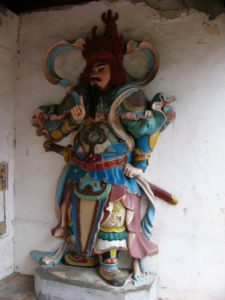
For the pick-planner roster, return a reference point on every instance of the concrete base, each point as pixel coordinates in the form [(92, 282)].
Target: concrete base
[(69, 283)]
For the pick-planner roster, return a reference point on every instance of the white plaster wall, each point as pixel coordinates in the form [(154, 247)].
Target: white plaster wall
[(187, 161), (8, 39)]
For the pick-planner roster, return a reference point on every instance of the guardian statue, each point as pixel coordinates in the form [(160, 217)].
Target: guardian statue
[(115, 126)]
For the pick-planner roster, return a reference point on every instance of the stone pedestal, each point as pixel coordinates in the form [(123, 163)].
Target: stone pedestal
[(70, 283)]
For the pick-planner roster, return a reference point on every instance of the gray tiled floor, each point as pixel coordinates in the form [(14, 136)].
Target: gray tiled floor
[(17, 287)]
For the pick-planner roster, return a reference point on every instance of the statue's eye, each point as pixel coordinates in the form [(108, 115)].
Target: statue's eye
[(101, 69)]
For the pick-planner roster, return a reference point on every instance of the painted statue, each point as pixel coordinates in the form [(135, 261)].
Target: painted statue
[(101, 190)]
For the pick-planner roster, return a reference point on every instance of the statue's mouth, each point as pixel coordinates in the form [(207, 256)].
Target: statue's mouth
[(95, 79)]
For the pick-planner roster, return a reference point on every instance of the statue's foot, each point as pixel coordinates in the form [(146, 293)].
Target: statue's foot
[(59, 232), (111, 274), (140, 272)]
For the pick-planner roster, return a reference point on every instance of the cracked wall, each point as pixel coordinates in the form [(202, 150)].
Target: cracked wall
[(8, 47), (173, 8)]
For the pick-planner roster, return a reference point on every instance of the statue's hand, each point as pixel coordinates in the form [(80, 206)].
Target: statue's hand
[(38, 121), (48, 145), (130, 171), (78, 111)]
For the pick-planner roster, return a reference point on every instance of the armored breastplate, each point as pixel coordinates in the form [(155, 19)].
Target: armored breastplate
[(95, 137)]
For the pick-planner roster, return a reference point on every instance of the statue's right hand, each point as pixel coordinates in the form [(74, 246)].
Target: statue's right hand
[(131, 171), (78, 111), (48, 145)]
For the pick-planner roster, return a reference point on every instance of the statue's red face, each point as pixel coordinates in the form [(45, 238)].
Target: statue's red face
[(100, 75)]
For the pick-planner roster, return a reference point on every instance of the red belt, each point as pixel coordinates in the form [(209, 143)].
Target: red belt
[(101, 165)]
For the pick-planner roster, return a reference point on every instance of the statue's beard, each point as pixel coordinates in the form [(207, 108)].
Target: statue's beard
[(94, 93)]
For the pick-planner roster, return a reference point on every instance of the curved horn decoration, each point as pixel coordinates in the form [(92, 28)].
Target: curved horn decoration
[(50, 57), (152, 59), (132, 46)]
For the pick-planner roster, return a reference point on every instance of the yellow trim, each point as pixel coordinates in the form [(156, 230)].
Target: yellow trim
[(113, 229), (56, 135), (153, 139), (137, 159), (141, 156), (175, 200), (113, 252), (91, 261), (66, 154), (128, 106), (66, 128), (117, 206), (69, 223)]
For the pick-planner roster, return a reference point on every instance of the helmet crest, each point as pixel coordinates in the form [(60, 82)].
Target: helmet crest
[(108, 47)]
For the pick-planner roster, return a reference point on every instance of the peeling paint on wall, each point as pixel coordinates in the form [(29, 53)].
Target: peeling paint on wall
[(212, 29)]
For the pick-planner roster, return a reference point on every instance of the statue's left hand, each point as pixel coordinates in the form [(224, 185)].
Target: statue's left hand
[(130, 171), (48, 145)]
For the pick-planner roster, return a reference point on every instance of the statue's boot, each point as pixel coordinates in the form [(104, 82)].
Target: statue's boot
[(110, 272)]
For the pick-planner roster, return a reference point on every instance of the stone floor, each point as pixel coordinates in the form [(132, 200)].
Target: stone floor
[(17, 287)]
